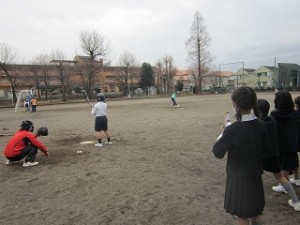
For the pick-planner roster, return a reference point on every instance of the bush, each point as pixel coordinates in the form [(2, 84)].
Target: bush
[(113, 95)]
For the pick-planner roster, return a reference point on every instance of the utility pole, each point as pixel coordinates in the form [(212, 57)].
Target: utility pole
[(243, 74), (276, 75), (128, 82)]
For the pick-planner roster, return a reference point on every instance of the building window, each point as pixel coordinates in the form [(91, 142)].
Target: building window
[(112, 88), (230, 82)]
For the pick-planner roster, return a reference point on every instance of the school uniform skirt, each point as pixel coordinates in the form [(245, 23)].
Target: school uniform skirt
[(288, 160), (100, 123), (244, 197), (271, 164)]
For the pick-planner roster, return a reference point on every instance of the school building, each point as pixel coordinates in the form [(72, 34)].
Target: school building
[(71, 74)]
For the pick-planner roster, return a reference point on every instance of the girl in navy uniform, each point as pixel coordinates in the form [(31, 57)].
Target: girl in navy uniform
[(271, 157), (295, 178), (286, 119), (244, 143)]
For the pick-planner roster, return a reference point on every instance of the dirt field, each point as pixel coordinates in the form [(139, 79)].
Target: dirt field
[(160, 169)]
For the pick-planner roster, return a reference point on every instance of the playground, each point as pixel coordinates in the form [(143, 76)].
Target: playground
[(159, 170)]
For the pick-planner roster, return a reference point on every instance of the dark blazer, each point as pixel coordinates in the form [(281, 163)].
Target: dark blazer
[(245, 144), (286, 129)]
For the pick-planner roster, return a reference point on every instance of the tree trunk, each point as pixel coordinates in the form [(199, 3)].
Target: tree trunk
[(12, 85)]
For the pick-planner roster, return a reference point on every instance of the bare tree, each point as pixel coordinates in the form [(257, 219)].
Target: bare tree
[(94, 45), (169, 72), (165, 71), (58, 58), (43, 60), (8, 56), (197, 46), (120, 79), (127, 62), (35, 70), (158, 70)]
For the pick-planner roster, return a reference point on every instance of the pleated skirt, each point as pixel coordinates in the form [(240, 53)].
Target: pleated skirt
[(244, 197)]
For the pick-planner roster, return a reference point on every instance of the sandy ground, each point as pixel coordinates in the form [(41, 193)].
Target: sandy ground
[(159, 170)]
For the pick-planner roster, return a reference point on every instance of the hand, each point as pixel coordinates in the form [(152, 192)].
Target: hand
[(46, 154)]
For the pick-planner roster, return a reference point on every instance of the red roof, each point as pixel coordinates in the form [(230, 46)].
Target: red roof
[(219, 74)]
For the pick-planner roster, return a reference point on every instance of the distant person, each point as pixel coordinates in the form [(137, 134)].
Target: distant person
[(24, 144), (26, 105), (33, 104), (244, 143), (173, 98), (271, 157), (101, 121)]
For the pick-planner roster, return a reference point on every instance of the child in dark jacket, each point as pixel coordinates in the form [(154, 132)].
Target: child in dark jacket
[(270, 157), (295, 178), (286, 119)]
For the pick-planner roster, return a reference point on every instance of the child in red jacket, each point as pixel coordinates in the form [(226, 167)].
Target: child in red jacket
[(24, 144)]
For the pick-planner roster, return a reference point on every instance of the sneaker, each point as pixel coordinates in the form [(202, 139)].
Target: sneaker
[(9, 162), (98, 145), (296, 205), (28, 164), (108, 143), (279, 188), (293, 181)]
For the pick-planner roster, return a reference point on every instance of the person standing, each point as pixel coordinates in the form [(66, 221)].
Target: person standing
[(101, 121), (33, 104), (26, 105), (294, 179), (271, 157), (24, 144), (244, 143), (286, 119), (173, 98)]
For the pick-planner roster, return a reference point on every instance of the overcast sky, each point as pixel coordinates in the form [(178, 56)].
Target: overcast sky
[(253, 32)]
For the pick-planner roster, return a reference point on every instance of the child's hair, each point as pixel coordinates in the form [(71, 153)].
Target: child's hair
[(263, 106), (283, 101), (297, 102), (245, 99)]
